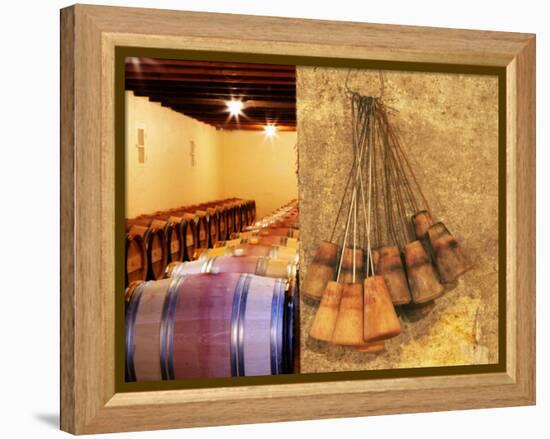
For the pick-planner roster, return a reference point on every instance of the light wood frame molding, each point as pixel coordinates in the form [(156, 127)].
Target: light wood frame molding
[(89, 35)]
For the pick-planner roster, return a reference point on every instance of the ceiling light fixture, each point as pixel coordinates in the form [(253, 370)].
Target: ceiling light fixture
[(234, 107), (270, 130)]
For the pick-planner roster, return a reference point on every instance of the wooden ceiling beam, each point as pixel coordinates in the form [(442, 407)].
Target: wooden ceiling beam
[(252, 123), (213, 85), (154, 94), (169, 70), (242, 81), (241, 121), (217, 64), (206, 102), (261, 128), (223, 110), (259, 118), (200, 89), (254, 126)]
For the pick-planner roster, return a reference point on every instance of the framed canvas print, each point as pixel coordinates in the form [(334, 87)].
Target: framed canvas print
[(268, 219)]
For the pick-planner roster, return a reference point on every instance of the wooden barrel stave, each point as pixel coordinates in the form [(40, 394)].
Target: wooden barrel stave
[(204, 315), (142, 346), (155, 243), (157, 254), (202, 232), (259, 265), (189, 238), (273, 251), (136, 259), (172, 233), (270, 231)]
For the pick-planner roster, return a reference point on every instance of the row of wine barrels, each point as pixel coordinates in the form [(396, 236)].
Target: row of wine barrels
[(233, 214), (259, 265), (209, 325), (152, 240), (285, 241), (176, 234), (216, 220), (246, 249), (286, 216), (288, 220), (269, 231), (137, 263)]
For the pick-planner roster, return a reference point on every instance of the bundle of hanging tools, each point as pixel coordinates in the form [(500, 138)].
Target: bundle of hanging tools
[(388, 252)]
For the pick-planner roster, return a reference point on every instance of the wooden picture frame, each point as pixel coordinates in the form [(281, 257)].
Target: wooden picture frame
[(90, 402)]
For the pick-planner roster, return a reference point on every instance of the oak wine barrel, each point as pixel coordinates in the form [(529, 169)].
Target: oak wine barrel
[(244, 213), (155, 243), (172, 233), (189, 237), (202, 229), (213, 226), (230, 209), (273, 251), (269, 231), (261, 240), (222, 223), (136, 258), (253, 212), (238, 225), (209, 325), (258, 265)]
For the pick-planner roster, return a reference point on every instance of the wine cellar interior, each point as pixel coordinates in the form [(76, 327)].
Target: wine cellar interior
[(212, 227), (291, 219)]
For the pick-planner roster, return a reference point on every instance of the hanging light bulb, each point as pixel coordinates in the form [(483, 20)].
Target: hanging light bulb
[(234, 107), (270, 130)]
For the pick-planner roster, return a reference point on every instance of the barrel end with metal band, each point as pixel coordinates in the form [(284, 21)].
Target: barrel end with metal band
[(167, 329), (237, 326), (172, 219), (278, 307), (157, 224), (261, 265), (292, 337), (292, 268), (208, 266), (132, 297), (130, 290), (281, 252), (190, 217), (157, 253), (170, 269), (136, 259)]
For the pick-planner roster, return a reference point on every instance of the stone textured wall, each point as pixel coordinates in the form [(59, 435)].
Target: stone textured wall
[(449, 127)]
